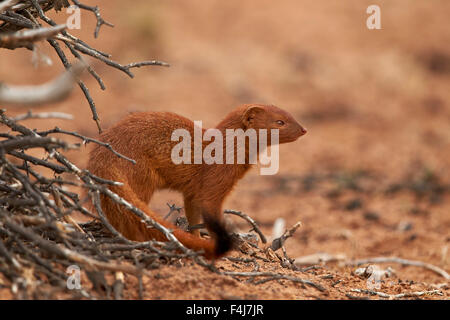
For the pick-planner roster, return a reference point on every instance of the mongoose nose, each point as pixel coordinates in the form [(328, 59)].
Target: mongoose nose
[(303, 131)]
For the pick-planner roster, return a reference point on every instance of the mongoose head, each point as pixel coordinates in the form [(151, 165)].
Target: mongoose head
[(258, 116)]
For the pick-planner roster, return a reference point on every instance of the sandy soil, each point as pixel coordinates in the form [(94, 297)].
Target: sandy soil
[(371, 178)]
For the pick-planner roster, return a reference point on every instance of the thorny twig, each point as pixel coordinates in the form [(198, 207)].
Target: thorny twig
[(172, 209), (96, 12)]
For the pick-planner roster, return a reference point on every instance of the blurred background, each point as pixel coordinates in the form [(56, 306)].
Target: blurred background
[(371, 177)]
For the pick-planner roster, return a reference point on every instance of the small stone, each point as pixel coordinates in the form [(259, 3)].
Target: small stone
[(371, 216), (353, 204)]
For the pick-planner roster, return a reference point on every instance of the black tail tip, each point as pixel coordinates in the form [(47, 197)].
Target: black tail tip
[(223, 239)]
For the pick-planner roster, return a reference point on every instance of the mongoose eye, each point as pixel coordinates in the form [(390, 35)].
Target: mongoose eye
[(280, 122)]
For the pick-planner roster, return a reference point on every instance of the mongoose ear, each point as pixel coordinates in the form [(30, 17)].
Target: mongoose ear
[(250, 114)]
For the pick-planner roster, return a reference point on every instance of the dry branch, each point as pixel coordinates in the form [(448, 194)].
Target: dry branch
[(87, 140), (38, 225), (249, 220), (405, 262), (33, 142), (64, 252), (96, 12), (274, 276), (43, 115), (29, 15), (24, 38), (52, 91), (5, 5), (397, 296), (279, 242)]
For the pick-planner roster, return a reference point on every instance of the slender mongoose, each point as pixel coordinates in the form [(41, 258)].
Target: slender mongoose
[(146, 137)]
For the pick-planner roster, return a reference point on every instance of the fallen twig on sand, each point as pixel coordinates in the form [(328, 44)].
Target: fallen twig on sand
[(405, 262), (317, 258), (274, 276), (398, 296)]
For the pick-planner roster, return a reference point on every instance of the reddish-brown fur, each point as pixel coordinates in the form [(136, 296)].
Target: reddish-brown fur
[(146, 138)]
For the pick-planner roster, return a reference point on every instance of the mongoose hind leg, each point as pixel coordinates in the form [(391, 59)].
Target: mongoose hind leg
[(193, 215)]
